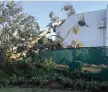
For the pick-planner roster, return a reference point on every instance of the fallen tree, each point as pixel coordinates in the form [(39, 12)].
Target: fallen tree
[(30, 43)]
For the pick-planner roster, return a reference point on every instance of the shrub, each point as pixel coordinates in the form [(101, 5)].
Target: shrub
[(103, 74), (48, 64), (77, 65)]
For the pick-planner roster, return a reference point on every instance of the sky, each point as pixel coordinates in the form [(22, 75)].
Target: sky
[(41, 9)]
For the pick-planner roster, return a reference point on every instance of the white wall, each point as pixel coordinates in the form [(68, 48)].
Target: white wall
[(106, 36), (90, 36)]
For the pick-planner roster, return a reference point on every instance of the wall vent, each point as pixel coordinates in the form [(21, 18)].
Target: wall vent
[(102, 24)]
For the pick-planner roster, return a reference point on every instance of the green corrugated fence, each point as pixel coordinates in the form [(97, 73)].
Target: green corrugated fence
[(90, 55)]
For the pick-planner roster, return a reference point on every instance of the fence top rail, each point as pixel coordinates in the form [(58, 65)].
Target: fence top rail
[(77, 48)]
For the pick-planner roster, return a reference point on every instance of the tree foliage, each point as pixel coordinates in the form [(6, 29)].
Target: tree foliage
[(16, 27)]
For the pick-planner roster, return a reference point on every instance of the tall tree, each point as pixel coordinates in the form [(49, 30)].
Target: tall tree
[(16, 27)]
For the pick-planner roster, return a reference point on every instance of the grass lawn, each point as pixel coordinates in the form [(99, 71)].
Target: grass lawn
[(16, 89)]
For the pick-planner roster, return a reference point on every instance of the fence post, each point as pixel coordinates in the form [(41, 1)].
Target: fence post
[(73, 54)]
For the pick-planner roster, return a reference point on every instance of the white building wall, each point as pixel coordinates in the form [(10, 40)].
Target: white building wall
[(106, 33), (91, 36)]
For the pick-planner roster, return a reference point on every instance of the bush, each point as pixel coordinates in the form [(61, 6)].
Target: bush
[(103, 74), (48, 64), (77, 65)]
